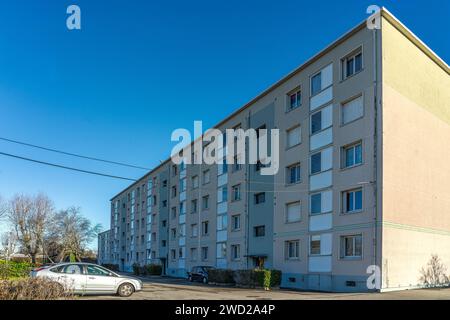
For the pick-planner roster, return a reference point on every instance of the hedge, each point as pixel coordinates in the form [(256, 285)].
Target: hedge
[(11, 269), (264, 278), (223, 276), (33, 289), (149, 269)]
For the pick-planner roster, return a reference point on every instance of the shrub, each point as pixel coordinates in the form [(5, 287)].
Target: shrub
[(11, 269), (32, 289), (245, 278), (112, 267), (221, 276), (258, 277), (153, 269), (275, 278), (434, 275), (136, 269)]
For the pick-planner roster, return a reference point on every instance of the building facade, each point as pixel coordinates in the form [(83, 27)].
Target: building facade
[(363, 176)]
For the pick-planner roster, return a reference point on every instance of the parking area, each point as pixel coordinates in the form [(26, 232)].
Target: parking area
[(164, 288)]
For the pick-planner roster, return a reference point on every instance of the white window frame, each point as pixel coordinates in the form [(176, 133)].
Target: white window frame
[(287, 251), (342, 247), (344, 209)]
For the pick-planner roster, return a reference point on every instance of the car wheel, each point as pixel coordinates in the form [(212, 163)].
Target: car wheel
[(125, 289), (205, 280)]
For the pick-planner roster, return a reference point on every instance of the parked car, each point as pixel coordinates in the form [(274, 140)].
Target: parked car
[(199, 273), (88, 278)]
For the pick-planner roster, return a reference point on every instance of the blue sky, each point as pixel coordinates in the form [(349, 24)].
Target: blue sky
[(140, 69)]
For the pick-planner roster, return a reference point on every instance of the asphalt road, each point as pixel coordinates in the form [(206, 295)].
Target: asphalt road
[(162, 288)]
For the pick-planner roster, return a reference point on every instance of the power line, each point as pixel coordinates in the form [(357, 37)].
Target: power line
[(67, 168), (74, 154)]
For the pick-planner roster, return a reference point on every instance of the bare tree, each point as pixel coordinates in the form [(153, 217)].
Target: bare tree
[(3, 208), (29, 216), (435, 273), (8, 242), (74, 232)]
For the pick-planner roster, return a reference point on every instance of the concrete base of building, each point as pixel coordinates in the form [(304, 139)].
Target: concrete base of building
[(324, 282)]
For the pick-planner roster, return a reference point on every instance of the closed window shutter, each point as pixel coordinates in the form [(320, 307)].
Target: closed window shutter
[(352, 110), (293, 212)]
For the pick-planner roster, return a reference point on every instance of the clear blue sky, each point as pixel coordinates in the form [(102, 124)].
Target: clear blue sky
[(140, 69)]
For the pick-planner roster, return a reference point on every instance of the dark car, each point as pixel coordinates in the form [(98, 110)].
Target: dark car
[(199, 273)]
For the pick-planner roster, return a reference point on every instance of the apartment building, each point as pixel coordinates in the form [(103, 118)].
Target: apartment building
[(364, 178)]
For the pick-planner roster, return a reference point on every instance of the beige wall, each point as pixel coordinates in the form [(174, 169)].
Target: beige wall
[(416, 155)]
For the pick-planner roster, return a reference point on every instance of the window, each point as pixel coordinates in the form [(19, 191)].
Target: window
[(182, 207), (193, 254), (352, 155), (194, 230), (182, 230), (236, 165), (224, 191), (96, 271), (174, 170), (163, 243), (316, 163), (205, 228), (314, 247), (352, 110), (222, 222), (235, 252), (236, 222), (293, 173), (260, 197), (295, 100), (221, 250), (316, 203), (293, 212), (292, 249), (352, 64), (195, 182), (224, 167), (293, 137), (237, 192), (259, 231), (206, 176), (164, 184), (182, 184), (205, 202), (174, 212), (164, 223), (316, 84), (351, 246), (194, 206), (174, 191), (181, 252), (316, 122), (204, 253), (173, 233), (352, 201), (173, 254), (164, 203)]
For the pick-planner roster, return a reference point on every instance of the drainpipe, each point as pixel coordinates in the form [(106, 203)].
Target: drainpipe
[(247, 204), (375, 139)]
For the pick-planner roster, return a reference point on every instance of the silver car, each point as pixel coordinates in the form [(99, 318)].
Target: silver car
[(88, 278)]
